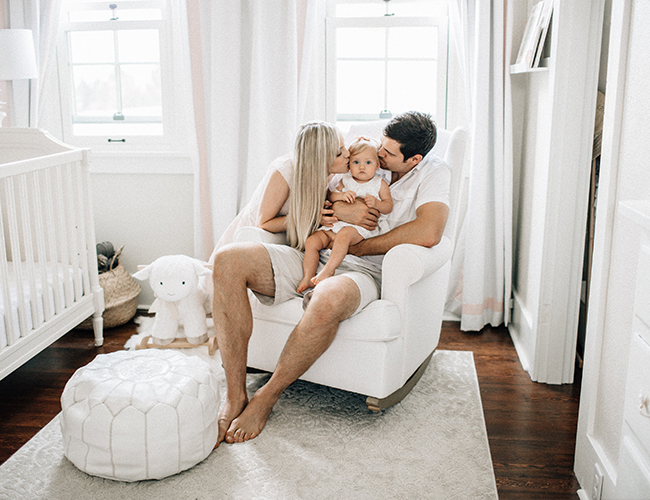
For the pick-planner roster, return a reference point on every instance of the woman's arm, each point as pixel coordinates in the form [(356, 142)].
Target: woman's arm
[(275, 195)]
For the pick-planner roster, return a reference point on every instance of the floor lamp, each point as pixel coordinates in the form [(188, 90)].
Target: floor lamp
[(17, 61)]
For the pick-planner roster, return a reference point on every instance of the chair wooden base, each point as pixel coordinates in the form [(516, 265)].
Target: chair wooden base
[(375, 404), (178, 344)]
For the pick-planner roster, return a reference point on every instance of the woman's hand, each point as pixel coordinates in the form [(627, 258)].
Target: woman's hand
[(327, 217), (357, 213)]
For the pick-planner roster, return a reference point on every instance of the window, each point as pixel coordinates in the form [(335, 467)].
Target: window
[(386, 57), (112, 59)]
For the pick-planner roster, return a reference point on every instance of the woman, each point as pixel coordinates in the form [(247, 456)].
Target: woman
[(319, 151)]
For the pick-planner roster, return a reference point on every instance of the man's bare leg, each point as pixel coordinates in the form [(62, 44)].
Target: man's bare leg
[(236, 268), (333, 301)]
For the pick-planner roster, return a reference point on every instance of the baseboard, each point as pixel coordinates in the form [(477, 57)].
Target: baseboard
[(450, 316), (522, 334)]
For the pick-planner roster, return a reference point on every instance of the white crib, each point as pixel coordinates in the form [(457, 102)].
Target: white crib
[(48, 262)]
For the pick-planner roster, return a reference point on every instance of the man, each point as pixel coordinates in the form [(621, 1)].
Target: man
[(420, 191)]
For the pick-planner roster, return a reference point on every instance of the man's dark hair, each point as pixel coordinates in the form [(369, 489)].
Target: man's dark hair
[(416, 132)]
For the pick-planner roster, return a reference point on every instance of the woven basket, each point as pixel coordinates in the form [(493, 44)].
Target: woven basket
[(120, 298)]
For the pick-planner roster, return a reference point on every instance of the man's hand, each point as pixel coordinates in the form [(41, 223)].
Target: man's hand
[(356, 213)]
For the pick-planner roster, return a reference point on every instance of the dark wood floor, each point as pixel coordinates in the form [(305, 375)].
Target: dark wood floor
[(531, 427)]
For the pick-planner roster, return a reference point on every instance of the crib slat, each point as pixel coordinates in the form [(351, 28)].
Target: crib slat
[(26, 219), (4, 283), (72, 224), (14, 244), (83, 239), (51, 241), (63, 232), (37, 181)]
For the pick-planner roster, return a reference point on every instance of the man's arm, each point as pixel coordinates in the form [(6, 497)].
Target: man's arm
[(426, 230), (356, 213)]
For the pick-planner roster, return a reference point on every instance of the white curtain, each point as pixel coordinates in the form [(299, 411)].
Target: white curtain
[(252, 63), (480, 285), (42, 17)]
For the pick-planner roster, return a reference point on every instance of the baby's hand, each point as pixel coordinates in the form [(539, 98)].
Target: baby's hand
[(370, 200), (350, 196)]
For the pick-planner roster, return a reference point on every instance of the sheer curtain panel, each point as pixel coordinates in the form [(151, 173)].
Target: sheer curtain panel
[(480, 285)]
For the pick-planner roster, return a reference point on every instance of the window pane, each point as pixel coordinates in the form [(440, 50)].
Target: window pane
[(94, 90), (413, 42), (138, 46), (427, 8), (360, 87), (360, 10), (141, 94), (117, 129), (92, 47), (81, 16), (360, 42), (422, 8), (407, 93)]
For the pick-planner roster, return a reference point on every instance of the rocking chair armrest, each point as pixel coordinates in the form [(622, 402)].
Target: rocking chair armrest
[(256, 234), (407, 264)]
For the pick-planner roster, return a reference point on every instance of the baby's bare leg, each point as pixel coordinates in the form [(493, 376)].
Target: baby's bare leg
[(342, 241), (314, 244)]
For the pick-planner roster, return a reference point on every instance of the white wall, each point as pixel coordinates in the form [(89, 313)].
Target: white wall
[(609, 328), (150, 214)]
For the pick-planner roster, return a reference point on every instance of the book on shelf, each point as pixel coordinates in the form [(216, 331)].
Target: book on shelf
[(532, 43), (545, 22)]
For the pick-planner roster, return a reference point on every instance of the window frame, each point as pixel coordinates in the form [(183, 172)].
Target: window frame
[(387, 21), (170, 138)]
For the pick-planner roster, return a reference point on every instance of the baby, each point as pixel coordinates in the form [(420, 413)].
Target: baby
[(359, 182)]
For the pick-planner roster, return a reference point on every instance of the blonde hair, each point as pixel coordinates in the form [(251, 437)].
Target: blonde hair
[(362, 143), (316, 147)]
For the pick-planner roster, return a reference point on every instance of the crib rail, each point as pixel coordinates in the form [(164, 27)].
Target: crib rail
[(48, 264)]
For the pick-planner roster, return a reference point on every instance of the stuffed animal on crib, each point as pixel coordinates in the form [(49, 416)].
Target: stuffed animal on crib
[(179, 298)]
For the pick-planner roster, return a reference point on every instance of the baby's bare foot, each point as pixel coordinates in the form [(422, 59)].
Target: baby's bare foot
[(323, 275), (304, 284)]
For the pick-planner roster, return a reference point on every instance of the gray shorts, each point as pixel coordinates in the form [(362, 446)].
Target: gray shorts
[(287, 272)]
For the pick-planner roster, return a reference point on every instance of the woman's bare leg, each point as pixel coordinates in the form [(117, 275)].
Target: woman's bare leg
[(342, 241), (314, 244)]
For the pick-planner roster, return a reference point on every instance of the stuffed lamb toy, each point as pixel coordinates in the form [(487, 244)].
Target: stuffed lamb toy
[(179, 298)]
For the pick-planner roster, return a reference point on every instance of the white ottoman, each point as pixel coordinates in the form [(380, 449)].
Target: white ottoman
[(135, 415)]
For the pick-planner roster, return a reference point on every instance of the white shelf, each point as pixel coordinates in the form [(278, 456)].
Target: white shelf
[(523, 68)]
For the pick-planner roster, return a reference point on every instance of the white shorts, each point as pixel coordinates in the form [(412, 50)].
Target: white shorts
[(287, 272)]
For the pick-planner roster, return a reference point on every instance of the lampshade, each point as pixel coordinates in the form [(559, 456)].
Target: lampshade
[(17, 60)]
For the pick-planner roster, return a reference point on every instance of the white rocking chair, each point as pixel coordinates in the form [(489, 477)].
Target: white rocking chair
[(382, 351)]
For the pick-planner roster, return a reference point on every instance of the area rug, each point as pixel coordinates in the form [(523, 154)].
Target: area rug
[(319, 443)]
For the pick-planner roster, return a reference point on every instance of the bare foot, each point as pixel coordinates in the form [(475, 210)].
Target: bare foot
[(323, 275), (252, 420), (304, 284), (228, 413)]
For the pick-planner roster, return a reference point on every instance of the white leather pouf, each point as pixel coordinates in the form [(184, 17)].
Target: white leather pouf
[(135, 415)]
